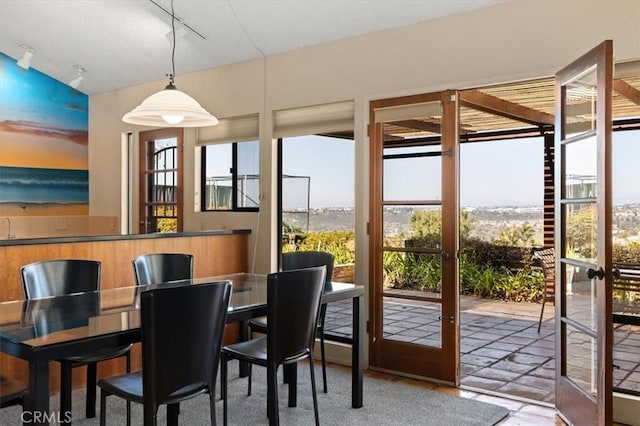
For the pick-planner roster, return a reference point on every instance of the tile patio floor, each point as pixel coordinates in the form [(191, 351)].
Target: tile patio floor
[(501, 349)]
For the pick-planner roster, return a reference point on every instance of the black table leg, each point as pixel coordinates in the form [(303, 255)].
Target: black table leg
[(37, 407), (356, 356)]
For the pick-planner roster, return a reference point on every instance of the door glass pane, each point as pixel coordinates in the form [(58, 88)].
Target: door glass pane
[(581, 234), (413, 178), (581, 360), (580, 296), (581, 169), (412, 226), (162, 185), (407, 273), (411, 321), (580, 104)]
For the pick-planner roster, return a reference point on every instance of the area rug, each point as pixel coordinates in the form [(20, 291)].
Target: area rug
[(385, 403)]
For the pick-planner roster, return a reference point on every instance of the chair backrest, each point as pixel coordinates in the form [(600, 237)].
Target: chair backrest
[(162, 267), (59, 277), (547, 261), (308, 259), (293, 301), (182, 329)]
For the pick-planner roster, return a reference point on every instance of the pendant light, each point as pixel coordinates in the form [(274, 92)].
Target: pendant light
[(170, 107)]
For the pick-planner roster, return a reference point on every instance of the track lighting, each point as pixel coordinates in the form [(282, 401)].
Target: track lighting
[(75, 83), (25, 61)]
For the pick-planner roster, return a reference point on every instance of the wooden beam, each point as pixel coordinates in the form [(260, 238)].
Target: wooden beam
[(628, 91), (418, 125), (492, 105)]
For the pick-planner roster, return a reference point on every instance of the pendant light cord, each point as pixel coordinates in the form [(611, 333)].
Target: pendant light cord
[(173, 49)]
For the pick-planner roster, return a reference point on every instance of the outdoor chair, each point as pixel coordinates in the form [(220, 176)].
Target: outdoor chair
[(293, 307), (62, 277), (300, 260), (182, 330), (546, 259), (157, 268)]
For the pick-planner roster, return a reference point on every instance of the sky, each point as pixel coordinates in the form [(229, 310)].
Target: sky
[(492, 174)]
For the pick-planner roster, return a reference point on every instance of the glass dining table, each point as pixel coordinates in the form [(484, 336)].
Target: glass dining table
[(42, 330)]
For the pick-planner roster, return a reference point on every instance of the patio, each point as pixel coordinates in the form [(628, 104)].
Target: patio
[(501, 349)]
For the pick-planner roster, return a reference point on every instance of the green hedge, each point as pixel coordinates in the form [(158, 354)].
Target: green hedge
[(486, 269)]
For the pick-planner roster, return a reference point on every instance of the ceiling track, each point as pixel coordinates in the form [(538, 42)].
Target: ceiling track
[(168, 12)]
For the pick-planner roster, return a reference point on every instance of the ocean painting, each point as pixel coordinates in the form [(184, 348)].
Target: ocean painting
[(43, 144), (26, 185)]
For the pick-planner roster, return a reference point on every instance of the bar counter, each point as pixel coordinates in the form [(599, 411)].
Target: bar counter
[(216, 252)]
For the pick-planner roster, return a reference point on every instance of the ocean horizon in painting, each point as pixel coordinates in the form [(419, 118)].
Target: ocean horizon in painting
[(25, 185), (44, 135)]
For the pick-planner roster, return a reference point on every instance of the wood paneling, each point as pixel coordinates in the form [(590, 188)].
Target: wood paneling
[(213, 255)]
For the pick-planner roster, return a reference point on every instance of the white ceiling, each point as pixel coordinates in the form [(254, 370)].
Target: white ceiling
[(122, 43)]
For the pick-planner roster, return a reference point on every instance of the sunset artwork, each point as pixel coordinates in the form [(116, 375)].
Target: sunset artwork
[(43, 144)]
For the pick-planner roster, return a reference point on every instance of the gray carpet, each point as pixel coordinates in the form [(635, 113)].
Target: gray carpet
[(385, 403)]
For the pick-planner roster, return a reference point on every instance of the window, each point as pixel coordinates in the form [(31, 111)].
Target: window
[(231, 176)]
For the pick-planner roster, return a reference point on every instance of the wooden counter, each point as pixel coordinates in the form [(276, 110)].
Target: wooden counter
[(215, 253)]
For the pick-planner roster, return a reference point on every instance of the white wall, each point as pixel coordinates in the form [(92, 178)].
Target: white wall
[(511, 41)]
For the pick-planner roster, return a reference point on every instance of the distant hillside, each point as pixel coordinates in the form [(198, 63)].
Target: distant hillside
[(488, 223)]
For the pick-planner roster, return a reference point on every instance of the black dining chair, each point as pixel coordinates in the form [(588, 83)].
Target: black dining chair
[(300, 260), (293, 306), (12, 392), (182, 331), (157, 268), (63, 277)]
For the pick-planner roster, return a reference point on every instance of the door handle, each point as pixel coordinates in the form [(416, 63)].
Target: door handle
[(445, 255), (592, 273)]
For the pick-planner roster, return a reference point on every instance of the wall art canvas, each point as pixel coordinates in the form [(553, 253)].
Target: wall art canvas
[(43, 144)]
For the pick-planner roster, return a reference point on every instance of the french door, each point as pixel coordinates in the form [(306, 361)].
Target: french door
[(160, 177), (584, 331), (414, 212)]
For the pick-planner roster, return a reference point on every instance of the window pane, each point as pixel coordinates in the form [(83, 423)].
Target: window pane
[(580, 105), (218, 184), (248, 174), (581, 360), (219, 175)]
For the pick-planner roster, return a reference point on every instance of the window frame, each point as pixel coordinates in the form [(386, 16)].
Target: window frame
[(234, 179)]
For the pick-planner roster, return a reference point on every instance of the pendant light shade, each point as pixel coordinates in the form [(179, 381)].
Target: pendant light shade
[(170, 107)]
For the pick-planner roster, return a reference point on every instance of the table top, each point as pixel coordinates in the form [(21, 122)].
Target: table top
[(38, 323)]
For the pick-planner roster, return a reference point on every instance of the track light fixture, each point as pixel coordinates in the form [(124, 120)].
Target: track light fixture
[(25, 61), (75, 83), (170, 107)]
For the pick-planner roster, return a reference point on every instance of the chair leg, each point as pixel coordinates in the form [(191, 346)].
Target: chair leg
[(544, 300), (324, 363), (313, 391), (272, 395), (173, 411), (92, 377), (66, 381), (212, 407), (249, 383), (103, 408), (128, 367), (223, 387)]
